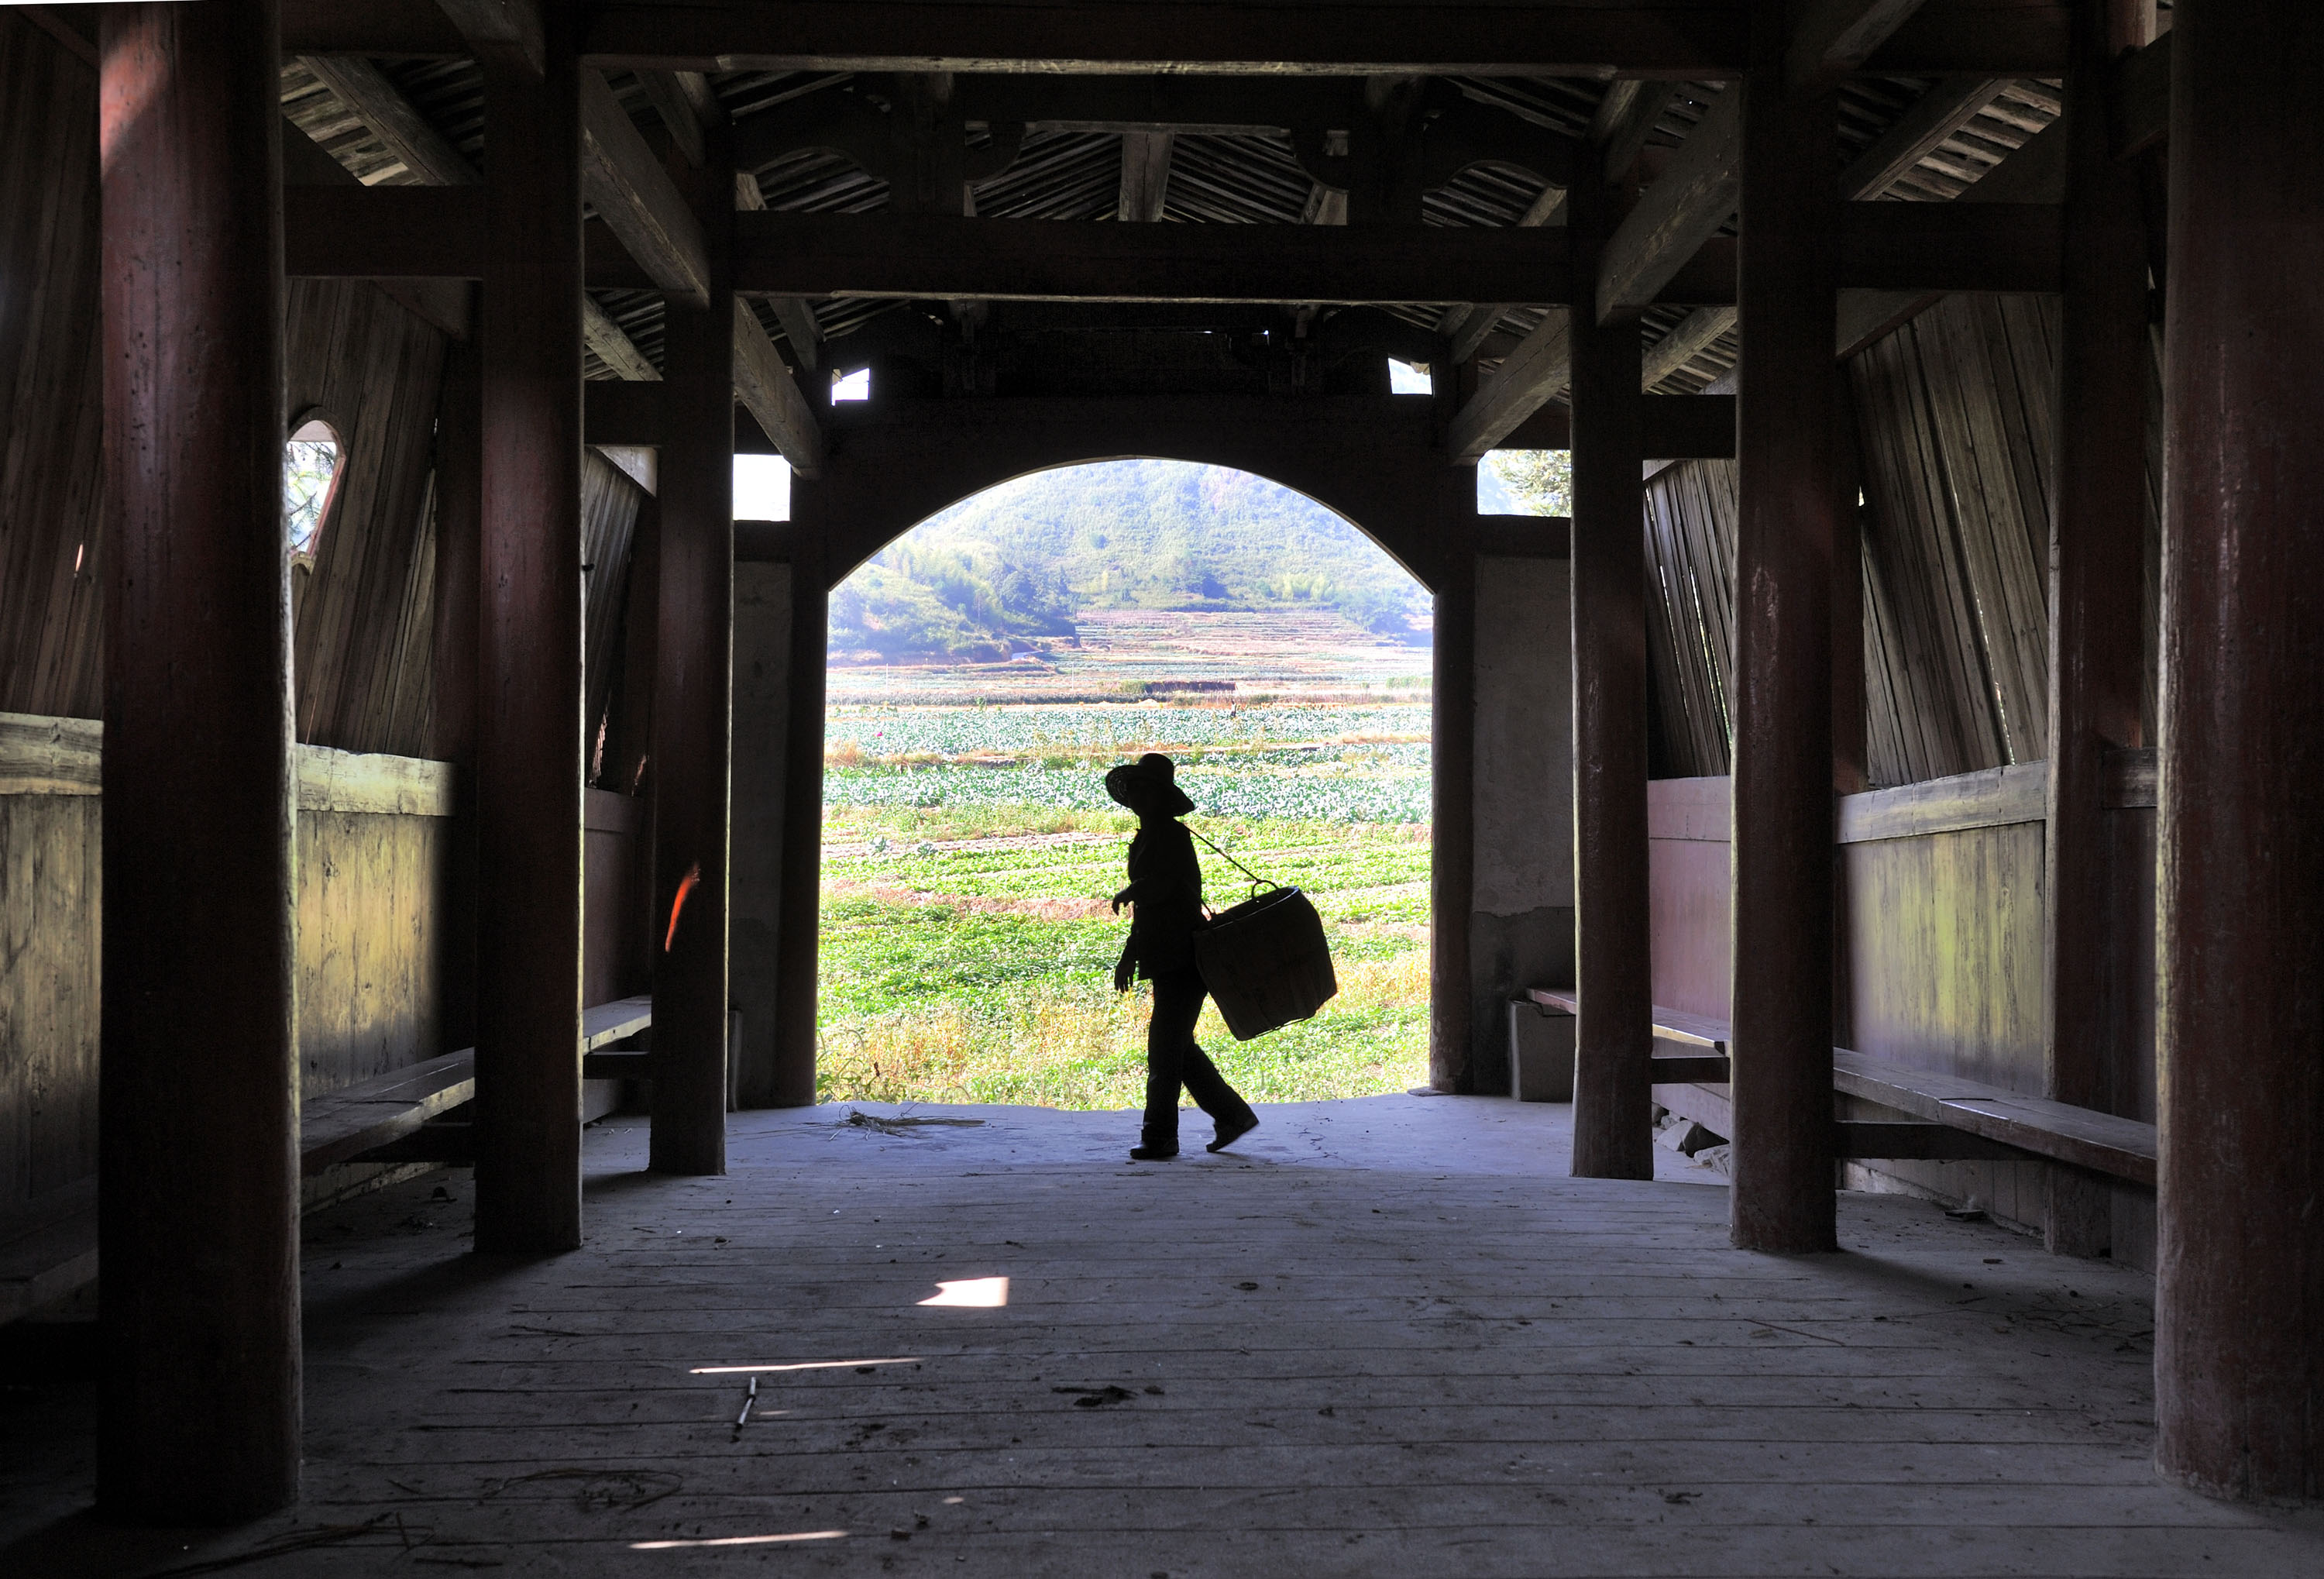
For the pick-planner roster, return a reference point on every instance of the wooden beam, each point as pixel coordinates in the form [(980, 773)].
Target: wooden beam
[(612, 346), (437, 232), (1453, 784), (1695, 196), (1613, 1045), (2016, 247), (1146, 36), (1689, 339), (2139, 108), (529, 747), (1529, 377), (1835, 37), (693, 665), (1478, 321), (2239, 1024), (1626, 138), (685, 104), (768, 391), (793, 312), (1669, 41), (509, 29), (380, 105), (458, 690), (626, 184), (1959, 38), (1949, 104), (942, 256), (1145, 175), (385, 233), (789, 1082), (198, 1081), (2097, 597), (1783, 1196), (443, 302)]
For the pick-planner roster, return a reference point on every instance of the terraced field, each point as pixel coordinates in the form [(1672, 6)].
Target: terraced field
[(970, 849)]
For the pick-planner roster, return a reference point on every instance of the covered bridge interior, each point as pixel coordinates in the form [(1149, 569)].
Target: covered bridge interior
[(1898, 767)]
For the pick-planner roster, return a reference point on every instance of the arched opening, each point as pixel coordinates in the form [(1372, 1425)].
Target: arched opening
[(312, 465), (986, 667)]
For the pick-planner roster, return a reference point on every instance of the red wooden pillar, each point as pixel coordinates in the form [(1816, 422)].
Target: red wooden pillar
[(1782, 1198), (1453, 774), (199, 1168), (2097, 589), (693, 691), (528, 732), (791, 1081), (1613, 1094), (2239, 1309)]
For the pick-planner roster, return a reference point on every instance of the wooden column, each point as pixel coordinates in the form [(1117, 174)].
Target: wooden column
[(1613, 1095), (1452, 758), (693, 691), (1782, 1198), (2239, 1308), (529, 733), (2096, 590), (459, 543), (199, 1168), (791, 1081)]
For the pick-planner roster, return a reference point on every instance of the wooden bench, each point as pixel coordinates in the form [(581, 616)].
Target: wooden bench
[(49, 1250), (1951, 1119)]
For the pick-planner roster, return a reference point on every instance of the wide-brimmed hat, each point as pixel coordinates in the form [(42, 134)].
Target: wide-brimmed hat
[(1152, 779)]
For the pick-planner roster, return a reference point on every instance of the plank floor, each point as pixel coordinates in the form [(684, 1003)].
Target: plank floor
[(1381, 1337)]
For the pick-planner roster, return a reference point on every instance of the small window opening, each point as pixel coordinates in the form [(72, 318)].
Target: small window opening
[(310, 482), (1409, 378), (762, 488), (851, 386)]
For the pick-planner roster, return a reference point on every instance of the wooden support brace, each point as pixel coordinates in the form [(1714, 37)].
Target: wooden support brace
[(766, 389), (626, 184)]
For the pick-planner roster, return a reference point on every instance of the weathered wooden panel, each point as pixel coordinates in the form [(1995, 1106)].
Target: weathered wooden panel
[(1944, 941), (1689, 522), (1689, 822), (616, 863), (49, 889), (51, 425), (1954, 414), (610, 502), (370, 893), (374, 848)]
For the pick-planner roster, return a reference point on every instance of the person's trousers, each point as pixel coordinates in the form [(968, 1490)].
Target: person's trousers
[(1173, 1060)]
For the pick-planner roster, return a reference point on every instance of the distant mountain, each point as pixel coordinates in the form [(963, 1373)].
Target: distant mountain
[(1018, 562)]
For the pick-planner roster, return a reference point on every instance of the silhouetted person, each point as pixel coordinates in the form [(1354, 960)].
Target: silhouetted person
[(1165, 899)]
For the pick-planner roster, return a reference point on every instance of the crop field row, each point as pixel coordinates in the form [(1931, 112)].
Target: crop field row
[(1118, 730), (1279, 653)]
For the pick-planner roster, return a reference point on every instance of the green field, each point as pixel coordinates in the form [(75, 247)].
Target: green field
[(967, 946)]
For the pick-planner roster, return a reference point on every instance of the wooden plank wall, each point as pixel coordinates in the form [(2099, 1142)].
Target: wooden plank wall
[(1691, 618), (52, 426), (1954, 414), (374, 848), (616, 875), (1943, 924), (1690, 828), (365, 612)]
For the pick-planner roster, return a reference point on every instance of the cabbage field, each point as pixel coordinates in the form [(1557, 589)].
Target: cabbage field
[(967, 946)]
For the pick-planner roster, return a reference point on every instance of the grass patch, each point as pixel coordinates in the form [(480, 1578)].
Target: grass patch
[(984, 975)]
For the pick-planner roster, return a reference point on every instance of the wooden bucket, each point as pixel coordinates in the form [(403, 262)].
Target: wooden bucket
[(1266, 963)]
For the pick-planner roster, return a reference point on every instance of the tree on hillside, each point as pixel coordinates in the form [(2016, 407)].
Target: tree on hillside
[(1542, 480)]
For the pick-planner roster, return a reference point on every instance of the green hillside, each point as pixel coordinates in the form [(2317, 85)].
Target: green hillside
[(1015, 564)]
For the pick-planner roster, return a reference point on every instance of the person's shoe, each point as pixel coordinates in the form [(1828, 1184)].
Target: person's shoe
[(1230, 1134), (1152, 1153)]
